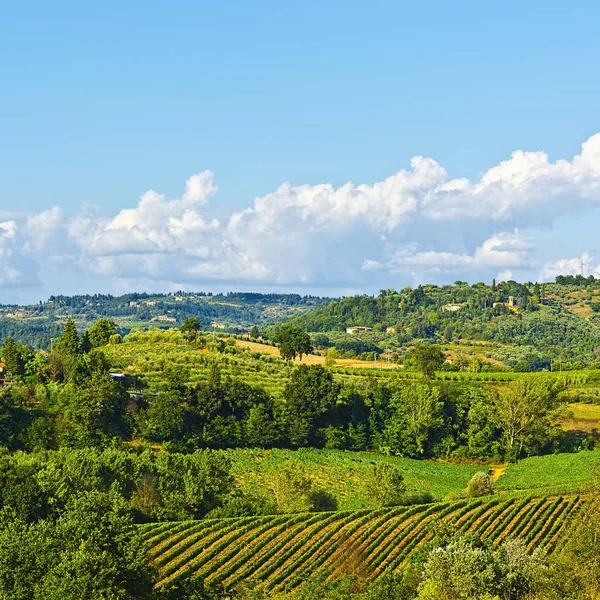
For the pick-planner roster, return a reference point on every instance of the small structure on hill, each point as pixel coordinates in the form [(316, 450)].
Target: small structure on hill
[(452, 307), (510, 304), (358, 329)]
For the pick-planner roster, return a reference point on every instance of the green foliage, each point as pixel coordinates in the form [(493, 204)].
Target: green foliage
[(311, 397), (13, 358), (100, 332), (525, 412), (291, 486), (91, 551), (156, 485), (385, 485), (292, 341), (429, 358), (416, 413), (461, 571), (480, 484)]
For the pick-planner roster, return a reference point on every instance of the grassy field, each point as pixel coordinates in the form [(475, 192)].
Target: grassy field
[(150, 354), (342, 474), (584, 418), (554, 471), (280, 552)]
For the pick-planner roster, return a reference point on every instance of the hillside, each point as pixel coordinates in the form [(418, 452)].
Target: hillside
[(280, 552), (524, 327), (36, 324), (284, 551), (343, 474)]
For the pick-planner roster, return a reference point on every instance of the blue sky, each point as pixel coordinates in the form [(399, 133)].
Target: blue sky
[(102, 102)]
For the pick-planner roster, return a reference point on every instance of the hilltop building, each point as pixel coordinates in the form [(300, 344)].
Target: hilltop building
[(359, 329)]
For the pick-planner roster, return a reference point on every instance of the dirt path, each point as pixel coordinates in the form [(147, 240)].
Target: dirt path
[(496, 472)]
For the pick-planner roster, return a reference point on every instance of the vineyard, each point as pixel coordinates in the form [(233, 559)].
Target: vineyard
[(150, 354), (280, 552)]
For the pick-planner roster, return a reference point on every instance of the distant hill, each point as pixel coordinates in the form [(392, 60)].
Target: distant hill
[(530, 324), (235, 312)]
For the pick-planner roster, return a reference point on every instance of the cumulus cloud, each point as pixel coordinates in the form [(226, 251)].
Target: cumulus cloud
[(418, 222), (570, 266)]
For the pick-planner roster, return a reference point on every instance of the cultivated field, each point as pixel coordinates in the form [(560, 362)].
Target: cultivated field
[(280, 552)]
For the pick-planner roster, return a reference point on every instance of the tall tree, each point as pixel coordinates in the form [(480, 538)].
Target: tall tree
[(190, 328), (418, 411), (68, 343), (99, 333), (429, 358), (13, 358), (525, 412), (311, 397), (292, 341)]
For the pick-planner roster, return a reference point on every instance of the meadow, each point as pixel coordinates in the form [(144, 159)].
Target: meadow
[(575, 472), (343, 473)]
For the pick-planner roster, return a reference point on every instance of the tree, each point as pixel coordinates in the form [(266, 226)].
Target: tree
[(292, 341), (254, 332), (190, 328), (525, 413), (331, 357), (311, 397), (417, 412), (92, 551), (461, 570), (100, 332), (85, 345), (480, 484), (13, 358), (68, 343), (291, 485), (429, 358), (385, 485), (164, 419)]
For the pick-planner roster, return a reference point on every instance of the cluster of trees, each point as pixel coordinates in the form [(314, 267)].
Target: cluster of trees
[(42, 322), (67, 398)]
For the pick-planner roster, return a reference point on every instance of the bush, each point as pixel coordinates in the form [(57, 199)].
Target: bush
[(481, 484), (385, 486)]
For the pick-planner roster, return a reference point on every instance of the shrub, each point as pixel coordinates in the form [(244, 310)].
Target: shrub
[(481, 484)]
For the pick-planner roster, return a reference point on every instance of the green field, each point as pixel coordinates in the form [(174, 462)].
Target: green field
[(282, 552), (555, 471), (149, 354), (342, 473)]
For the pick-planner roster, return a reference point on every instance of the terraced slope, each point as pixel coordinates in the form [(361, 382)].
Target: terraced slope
[(281, 551)]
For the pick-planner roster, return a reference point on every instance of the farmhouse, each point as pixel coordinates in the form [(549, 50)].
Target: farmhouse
[(358, 329), (164, 318), (510, 304), (452, 307)]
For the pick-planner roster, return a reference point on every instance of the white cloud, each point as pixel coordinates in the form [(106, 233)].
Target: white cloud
[(371, 265), (500, 250), (417, 223), (570, 266)]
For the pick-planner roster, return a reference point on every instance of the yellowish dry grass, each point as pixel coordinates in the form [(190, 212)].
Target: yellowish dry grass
[(316, 359), (585, 417)]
